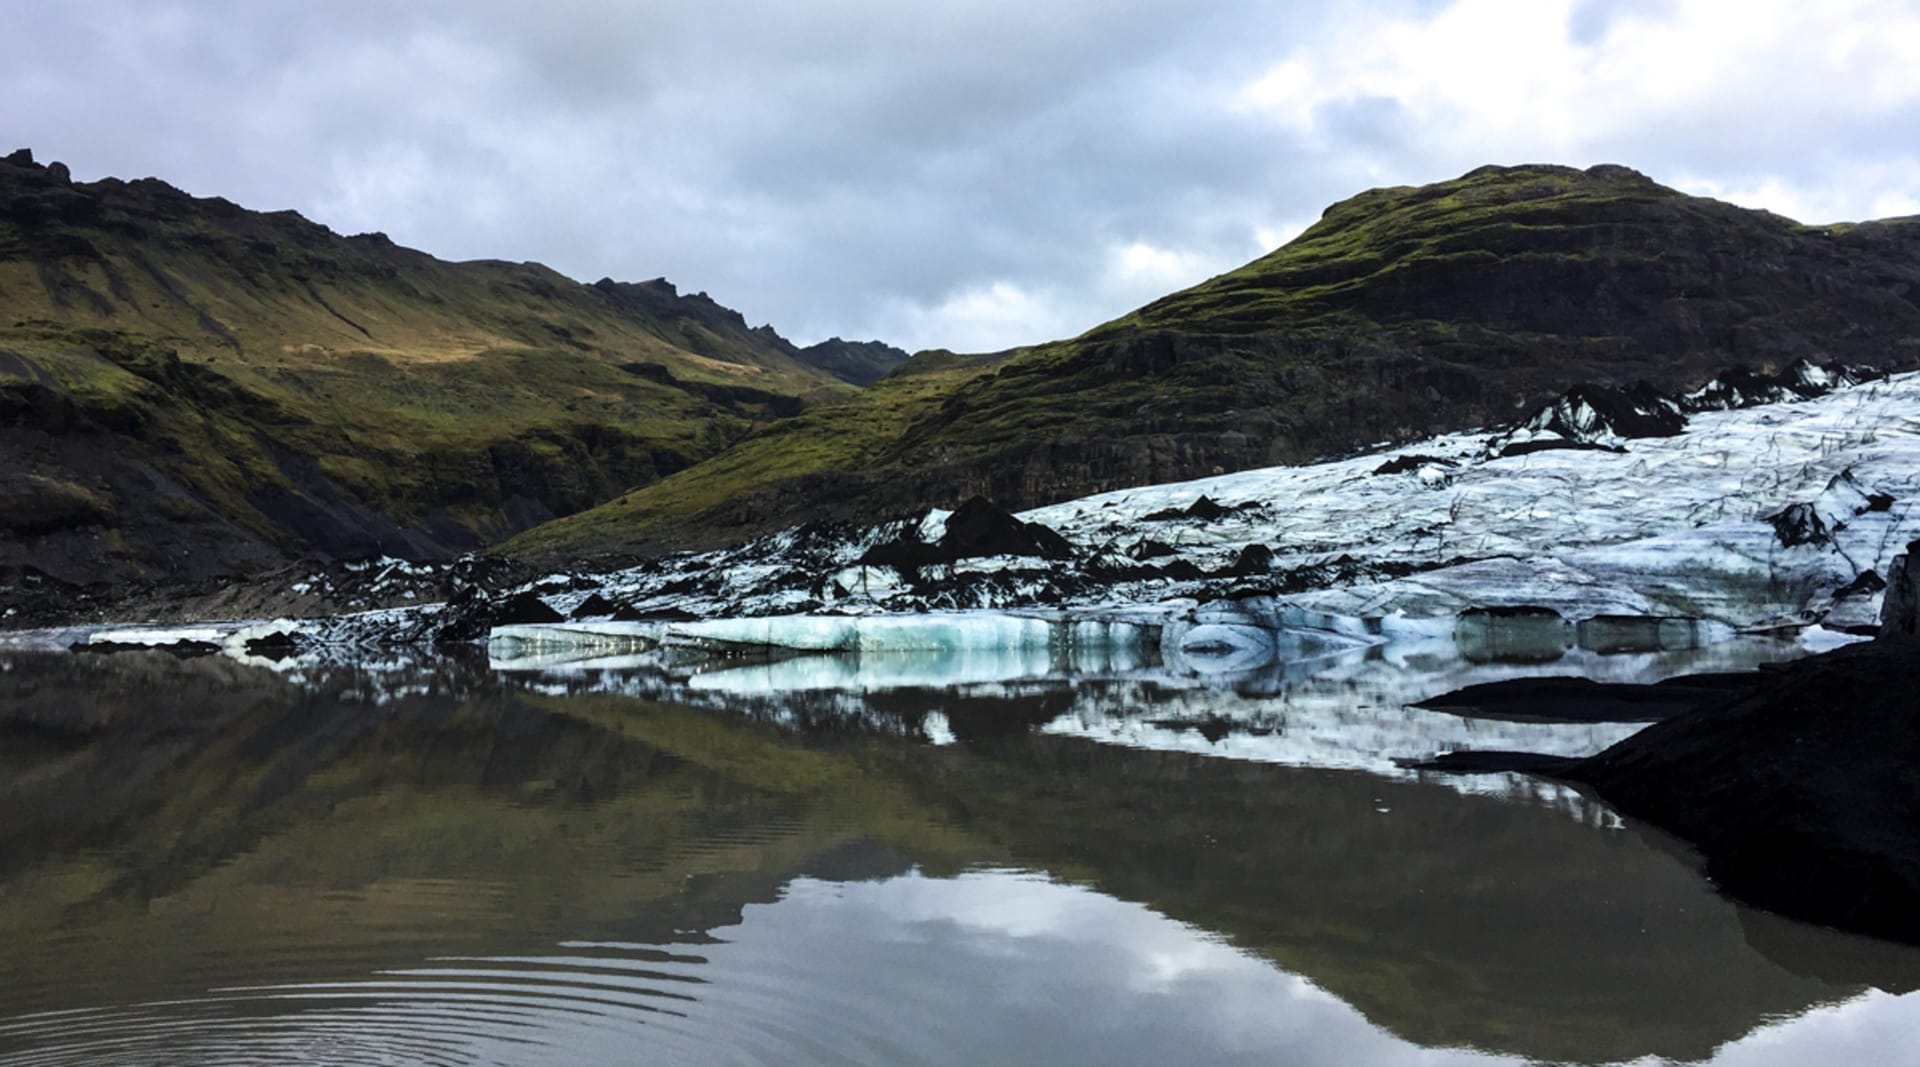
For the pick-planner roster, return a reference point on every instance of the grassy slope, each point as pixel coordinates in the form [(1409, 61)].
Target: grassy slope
[(1401, 312), (852, 436), (226, 348)]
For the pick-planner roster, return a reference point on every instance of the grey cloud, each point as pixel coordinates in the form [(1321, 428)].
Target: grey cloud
[(835, 167)]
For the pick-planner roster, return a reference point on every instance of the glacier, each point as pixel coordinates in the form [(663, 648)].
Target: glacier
[(1289, 614), (1776, 516), (1773, 516)]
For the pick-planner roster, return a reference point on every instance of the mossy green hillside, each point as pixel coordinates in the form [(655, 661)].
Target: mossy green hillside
[(206, 372), (1402, 312), (794, 467)]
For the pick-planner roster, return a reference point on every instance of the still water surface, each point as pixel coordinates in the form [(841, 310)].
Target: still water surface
[(203, 862)]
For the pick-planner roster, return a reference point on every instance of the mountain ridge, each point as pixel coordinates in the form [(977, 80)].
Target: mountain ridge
[(1402, 312), (194, 390)]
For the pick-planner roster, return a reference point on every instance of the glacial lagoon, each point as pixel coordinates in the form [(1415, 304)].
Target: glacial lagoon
[(440, 861)]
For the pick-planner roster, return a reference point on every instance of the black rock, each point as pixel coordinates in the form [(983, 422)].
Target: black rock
[(1551, 444), (1586, 413), (1900, 611), (1254, 560), (1205, 508), (1800, 792), (1182, 570), (525, 609), (978, 528), (595, 605), (1740, 387), (1148, 548), (283, 644), (629, 613), (1866, 583), (1411, 462), (472, 613), (1799, 524), (855, 362), (981, 528)]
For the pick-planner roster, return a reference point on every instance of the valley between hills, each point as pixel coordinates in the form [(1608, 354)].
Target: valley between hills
[(1533, 422)]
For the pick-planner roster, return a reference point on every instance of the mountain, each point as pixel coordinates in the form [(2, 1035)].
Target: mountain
[(191, 390), (1403, 312), (853, 362)]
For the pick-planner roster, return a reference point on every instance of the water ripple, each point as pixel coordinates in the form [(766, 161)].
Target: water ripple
[(456, 1010)]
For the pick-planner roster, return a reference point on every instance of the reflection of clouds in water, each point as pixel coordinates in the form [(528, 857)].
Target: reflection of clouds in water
[(1012, 968), (1000, 967), (1007, 967), (1875, 1028)]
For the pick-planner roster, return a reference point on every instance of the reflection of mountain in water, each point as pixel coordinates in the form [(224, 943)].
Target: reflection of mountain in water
[(184, 827)]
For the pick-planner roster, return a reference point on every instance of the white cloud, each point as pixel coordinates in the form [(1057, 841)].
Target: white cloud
[(1864, 191), (985, 318), (1747, 94)]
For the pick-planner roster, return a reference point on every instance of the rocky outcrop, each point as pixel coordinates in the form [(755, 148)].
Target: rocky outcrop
[(1900, 611)]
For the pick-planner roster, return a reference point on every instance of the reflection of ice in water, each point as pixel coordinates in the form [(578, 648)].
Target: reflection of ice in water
[(1296, 699)]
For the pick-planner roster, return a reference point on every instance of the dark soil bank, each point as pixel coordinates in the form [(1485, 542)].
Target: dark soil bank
[(1803, 794)]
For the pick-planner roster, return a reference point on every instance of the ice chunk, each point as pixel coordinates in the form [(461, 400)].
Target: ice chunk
[(870, 633), (1513, 635), (872, 671), (580, 640)]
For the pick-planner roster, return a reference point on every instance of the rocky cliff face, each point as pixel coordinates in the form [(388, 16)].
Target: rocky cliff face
[(1402, 313)]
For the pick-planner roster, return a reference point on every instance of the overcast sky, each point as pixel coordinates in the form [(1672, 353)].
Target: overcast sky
[(972, 174)]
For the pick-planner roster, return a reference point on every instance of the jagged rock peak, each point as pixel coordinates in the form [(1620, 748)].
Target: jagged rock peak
[(22, 158)]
